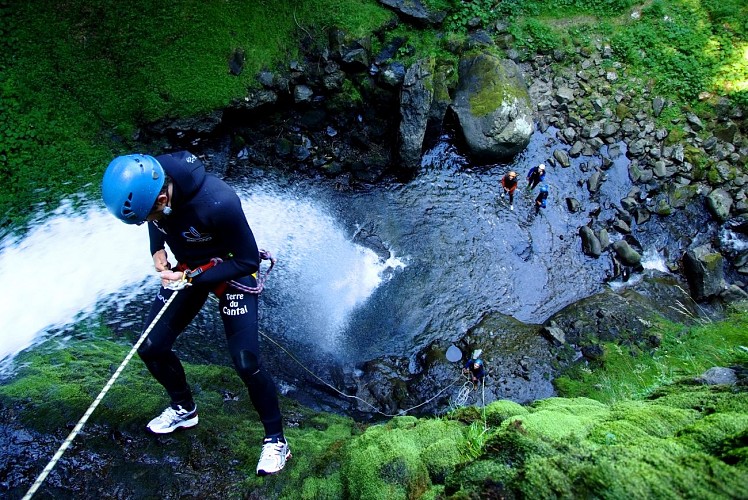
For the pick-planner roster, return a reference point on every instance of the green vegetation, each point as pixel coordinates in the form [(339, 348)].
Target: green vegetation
[(683, 352), (77, 81), (635, 427)]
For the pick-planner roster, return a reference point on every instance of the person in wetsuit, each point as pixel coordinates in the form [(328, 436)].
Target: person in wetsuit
[(201, 219), (508, 186), (541, 198), (535, 176), (476, 369)]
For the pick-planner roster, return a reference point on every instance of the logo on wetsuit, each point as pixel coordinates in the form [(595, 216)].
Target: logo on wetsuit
[(233, 308), (194, 236)]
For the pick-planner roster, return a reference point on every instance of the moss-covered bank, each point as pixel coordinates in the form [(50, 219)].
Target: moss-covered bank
[(683, 439)]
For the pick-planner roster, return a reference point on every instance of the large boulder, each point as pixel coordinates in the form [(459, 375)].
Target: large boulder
[(704, 271), (492, 105), (415, 108)]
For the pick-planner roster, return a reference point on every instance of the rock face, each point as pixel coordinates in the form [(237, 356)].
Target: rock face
[(493, 107), (415, 104), (704, 271)]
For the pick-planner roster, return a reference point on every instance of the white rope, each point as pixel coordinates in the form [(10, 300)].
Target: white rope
[(65, 444), (376, 410)]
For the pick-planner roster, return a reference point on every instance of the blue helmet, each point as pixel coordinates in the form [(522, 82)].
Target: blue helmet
[(478, 362), (131, 185), (544, 188)]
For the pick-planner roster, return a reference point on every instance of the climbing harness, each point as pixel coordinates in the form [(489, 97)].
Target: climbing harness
[(261, 276), (65, 444)]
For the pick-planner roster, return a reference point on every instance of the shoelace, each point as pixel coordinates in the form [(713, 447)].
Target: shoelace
[(271, 450)]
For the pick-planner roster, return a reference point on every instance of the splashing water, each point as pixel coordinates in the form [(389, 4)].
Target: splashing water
[(61, 269), (322, 276), (76, 260)]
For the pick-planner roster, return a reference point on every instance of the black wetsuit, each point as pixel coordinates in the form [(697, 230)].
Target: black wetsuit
[(478, 374), (540, 200), (534, 177), (207, 221)]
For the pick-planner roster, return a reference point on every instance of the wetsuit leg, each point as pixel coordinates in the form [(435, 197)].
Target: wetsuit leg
[(156, 351), (239, 314)]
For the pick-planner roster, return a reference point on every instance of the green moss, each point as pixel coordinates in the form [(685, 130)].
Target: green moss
[(498, 411), (395, 460), (712, 432), (493, 86), (653, 419), (471, 480)]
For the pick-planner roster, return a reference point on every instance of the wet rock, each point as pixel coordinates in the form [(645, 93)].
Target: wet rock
[(719, 203), (493, 107), (415, 103), (718, 376), (704, 272), (593, 183), (573, 205), (393, 75), (590, 243), (621, 226), (562, 158), (626, 253), (604, 238), (641, 215), (415, 11)]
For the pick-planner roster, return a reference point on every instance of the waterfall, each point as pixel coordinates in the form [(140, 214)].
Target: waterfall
[(78, 258)]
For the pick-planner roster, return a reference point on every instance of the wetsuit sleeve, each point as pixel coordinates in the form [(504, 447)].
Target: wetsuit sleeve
[(157, 238), (231, 227)]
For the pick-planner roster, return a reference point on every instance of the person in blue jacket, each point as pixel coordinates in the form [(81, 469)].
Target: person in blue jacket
[(476, 369), (540, 199), (535, 176), (201, 220)]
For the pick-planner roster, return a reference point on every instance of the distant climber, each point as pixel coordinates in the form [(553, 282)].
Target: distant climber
[(475, 367), (509, 185), (535, 176), (540, 200)]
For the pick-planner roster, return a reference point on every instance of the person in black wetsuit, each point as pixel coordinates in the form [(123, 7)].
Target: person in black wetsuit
[(541, 199), (535, 176), (476, 370), (201, 219)]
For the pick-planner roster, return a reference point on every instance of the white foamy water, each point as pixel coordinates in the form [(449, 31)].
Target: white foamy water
[(652, 259), (322, 275), (62, 269)]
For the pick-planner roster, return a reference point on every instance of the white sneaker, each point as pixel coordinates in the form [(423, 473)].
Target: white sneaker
[(273, 457), (172, 419), (511, 207)]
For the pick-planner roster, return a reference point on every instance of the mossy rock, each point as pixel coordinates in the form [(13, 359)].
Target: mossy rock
[(474, 479), (498, 411), (654, 419), (713, 431), (392, 461)]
